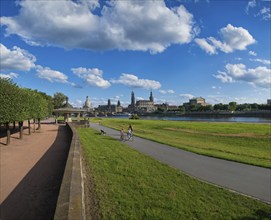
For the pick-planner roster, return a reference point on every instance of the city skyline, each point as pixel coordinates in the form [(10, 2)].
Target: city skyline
[(218, 50)]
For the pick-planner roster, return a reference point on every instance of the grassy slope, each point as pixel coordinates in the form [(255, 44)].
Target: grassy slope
[(242, 142), (131, 185)]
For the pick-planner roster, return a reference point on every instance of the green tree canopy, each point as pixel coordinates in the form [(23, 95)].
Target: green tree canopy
[(58, 100), (232, 106), (9, 101)]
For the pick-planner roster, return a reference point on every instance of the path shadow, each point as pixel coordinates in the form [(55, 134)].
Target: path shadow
[(3, 133), (35, 197), (259, 215)]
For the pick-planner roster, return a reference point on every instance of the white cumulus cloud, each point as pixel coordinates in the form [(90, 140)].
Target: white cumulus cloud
[(252, 53), (265, 13), (250, 4), (124, 25), (93, 77), (77, 103), (258, 77), (9, 75), (51, 75), (232, 38), (211, 49), (186, 96), (263, 61), (223, 77), (16, 59), (170, 91), (134, 82)]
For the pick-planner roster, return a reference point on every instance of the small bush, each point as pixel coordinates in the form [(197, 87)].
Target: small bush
[(134, 116)]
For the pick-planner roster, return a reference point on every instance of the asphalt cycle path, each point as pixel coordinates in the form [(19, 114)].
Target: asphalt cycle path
[(242, 178)]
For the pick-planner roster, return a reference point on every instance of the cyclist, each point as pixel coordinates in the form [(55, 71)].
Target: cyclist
[(130, 132)]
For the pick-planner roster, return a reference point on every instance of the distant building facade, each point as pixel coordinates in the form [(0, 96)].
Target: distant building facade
[(198, 101), (109, 108), (142, 106), (165, 107), (268, 101)]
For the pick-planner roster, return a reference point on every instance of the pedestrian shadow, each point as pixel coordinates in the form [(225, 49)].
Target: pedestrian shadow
[(113, 137), (35, 197)]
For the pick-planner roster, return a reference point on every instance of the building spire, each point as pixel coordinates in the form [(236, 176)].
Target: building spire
[(151, 96), (133, 99)]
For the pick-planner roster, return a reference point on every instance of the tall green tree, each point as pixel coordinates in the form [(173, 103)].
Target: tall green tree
[(38, 106), (22, 109), (58, 100), (31, 107), (41, 108), (9, 103), (49, 100), (18, 104), (232, 106)]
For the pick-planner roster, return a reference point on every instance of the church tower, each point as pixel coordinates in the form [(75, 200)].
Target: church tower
[(87, 104), (151, 97), (133, 99)]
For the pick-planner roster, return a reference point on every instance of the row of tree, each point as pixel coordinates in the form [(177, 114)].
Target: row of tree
[(232, 106), (20, 104)]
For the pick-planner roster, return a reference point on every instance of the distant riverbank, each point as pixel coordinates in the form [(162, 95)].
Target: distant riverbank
[(210, 119), (257, 114), (248, 117)]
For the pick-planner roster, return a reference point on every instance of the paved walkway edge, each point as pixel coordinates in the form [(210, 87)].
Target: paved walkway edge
[(70, 203), (241, 178)]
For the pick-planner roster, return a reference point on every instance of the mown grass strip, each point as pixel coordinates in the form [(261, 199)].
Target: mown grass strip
[(130, 185), (241, 142)]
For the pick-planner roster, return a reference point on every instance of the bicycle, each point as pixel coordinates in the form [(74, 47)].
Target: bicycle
[(130, 136)]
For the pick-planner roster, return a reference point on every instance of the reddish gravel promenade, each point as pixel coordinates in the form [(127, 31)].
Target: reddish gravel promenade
[(31, 172)]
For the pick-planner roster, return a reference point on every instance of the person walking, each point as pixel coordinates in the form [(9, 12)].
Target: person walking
[(122, 134)]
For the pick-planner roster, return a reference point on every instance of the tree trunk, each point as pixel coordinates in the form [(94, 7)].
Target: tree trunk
[(29, 127), (38, 124), (0, 131), (14, 125), (34, 121), (8, 133), (21, 129)]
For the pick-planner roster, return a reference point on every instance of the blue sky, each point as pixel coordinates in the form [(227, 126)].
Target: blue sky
[(219, 50)]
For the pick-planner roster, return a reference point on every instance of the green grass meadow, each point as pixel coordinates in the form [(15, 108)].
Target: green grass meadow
[(241, 142), (130, 185)]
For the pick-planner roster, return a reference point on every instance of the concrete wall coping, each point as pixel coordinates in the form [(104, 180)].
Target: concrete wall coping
[(70, 204)]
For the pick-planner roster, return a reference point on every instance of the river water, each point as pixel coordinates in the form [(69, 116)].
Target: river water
[(206, 119)]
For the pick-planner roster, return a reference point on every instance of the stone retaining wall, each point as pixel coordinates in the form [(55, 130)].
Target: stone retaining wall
[(70, 203)]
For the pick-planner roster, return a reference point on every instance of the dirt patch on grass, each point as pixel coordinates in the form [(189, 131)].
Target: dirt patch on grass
[(91, 198), (219, 134)]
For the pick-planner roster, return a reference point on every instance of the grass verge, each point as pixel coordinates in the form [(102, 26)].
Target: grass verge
[(130, 185), (241, 142)]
